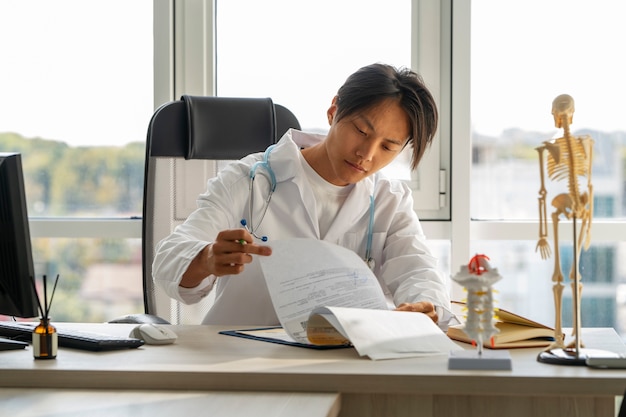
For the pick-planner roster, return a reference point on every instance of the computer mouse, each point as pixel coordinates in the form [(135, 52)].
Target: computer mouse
[(154, 334)]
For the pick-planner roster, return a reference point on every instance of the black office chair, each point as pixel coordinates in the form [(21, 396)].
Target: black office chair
[(187, 142)]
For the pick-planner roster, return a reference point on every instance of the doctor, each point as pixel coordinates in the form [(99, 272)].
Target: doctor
[(322, 187)]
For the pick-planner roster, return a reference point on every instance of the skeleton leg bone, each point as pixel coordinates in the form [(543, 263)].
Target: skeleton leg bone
[(557, 287)]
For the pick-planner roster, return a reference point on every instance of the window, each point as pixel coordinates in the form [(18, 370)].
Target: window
[(280, 48), (559, 55), (267, 49), (510, 60), (83, 156), (77, 96), (523, 55)]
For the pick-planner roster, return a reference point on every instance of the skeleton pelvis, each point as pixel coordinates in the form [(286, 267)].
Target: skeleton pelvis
[(564, 204)]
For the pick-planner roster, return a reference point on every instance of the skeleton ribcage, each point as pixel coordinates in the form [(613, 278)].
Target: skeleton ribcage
[(559, 160)]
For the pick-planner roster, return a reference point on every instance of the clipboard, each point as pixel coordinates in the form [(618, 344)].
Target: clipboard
[(276, 334)]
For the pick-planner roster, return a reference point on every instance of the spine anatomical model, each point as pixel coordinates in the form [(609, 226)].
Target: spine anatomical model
[(478, 277), (569, 159)]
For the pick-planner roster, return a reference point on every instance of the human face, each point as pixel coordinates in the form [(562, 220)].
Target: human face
[(361, 144)]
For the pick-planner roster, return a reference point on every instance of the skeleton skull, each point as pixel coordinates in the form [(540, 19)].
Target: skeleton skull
[(562, 106)]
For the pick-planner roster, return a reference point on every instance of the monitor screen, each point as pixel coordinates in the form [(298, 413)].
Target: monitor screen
[(17, 296)]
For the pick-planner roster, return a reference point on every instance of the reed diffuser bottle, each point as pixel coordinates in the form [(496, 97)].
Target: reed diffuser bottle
[(45, 338)]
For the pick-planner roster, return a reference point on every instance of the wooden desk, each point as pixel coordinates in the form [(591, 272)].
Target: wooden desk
[(204, 360)]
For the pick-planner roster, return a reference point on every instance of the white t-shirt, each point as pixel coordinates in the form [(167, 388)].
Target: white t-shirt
[(328, 197)]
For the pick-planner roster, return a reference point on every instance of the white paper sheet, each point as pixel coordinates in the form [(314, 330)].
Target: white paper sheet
[(384, 334), (302, 274)]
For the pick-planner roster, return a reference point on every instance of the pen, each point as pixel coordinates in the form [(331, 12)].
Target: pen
[(245, 226)]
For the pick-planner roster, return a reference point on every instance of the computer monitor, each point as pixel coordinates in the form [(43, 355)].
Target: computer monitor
[(17, 294)]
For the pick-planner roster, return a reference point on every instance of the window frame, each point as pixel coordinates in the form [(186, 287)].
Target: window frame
[(182, 28), (194, 73)]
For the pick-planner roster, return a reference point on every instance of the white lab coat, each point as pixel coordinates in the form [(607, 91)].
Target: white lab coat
[(404, 265)]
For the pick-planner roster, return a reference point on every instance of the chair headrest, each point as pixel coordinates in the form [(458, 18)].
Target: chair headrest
[(228, 127)]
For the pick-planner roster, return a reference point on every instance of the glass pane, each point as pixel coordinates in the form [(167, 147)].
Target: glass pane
[(299, 53), (525, 54), (99, 279), (76, 82)]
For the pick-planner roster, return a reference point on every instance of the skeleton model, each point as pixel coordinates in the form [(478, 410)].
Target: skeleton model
[(568, 159), (477, 278)]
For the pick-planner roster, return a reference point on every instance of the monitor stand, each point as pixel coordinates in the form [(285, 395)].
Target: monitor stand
[(10, 344)]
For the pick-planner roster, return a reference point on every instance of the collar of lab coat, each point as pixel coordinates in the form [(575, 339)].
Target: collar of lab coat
[(287, 156)]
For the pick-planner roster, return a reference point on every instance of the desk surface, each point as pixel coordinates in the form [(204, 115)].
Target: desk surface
[(203, 360)]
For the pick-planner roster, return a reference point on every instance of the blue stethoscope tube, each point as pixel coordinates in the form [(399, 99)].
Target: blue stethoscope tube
[(265, 163), (370, 233), (271, 177)]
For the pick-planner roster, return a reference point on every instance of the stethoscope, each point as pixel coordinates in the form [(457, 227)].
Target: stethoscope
[(264, 164)]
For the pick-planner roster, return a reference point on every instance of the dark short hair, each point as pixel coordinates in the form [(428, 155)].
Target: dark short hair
[(375, 83)]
